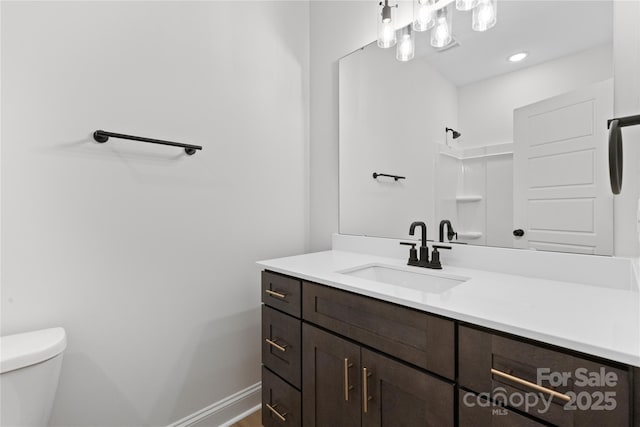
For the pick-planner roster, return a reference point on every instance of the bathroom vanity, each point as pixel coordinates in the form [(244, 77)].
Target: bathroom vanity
[(342, 348)]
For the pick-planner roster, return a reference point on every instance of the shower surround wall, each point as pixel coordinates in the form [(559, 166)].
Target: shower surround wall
[(145, 255)]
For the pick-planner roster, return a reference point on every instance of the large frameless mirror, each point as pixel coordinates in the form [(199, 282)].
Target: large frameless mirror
[(502, 132)]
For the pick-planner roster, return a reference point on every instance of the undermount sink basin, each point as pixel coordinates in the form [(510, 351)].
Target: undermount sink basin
[(407, 277)]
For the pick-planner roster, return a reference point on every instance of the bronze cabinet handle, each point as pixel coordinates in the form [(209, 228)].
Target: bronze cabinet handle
[(275, 294), (276, 413), (273, 343), (365, 390), (347, 387), (531, 385)]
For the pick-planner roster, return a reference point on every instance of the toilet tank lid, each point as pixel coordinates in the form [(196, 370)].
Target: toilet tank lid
[(21, 350)]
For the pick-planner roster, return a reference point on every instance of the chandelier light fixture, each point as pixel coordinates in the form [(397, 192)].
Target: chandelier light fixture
[(434, 15)]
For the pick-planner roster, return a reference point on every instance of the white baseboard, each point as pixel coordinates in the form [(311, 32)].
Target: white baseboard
[(241, 416), (225, 412)]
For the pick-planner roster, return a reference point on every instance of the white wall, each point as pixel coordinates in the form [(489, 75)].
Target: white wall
[(146, 256), (486, 107), (389, 124)]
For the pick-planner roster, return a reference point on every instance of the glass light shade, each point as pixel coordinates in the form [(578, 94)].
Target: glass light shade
[(386, 29), (424, 18), (465, 5), (441, 33), (485, 15), (406, 45)]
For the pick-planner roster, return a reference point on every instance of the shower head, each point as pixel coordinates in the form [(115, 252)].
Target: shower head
[(454, 133)]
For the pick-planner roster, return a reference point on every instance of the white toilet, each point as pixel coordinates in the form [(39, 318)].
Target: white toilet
[(29, 370)]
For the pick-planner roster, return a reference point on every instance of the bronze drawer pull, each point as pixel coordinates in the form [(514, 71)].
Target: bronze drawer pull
[(276, 345), (531, 385), (365, 390), (347, 387), (277, 414), (275, 294)]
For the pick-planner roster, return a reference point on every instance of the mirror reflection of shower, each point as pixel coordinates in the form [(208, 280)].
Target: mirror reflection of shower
[(454, 133)]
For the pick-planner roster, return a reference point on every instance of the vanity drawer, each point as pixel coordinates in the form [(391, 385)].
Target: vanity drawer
[(281, 292), (281, 339), (281, 403), (514, 371), (415, 337), (475, 411)]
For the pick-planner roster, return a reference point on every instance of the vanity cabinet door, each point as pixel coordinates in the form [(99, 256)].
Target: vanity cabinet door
[(396, 395), (555, 386), (331, 380)]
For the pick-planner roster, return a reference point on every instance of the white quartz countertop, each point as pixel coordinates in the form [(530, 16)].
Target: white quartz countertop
[(595, 320)]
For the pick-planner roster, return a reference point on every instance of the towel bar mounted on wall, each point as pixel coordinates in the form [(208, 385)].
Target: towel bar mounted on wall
[(102, 136), (395, 177), (615, 149)]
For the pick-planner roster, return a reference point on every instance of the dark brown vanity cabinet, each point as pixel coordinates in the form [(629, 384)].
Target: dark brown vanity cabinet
[(346, 385), (337, 359)]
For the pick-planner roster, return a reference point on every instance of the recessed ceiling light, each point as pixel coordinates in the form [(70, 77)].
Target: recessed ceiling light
[(517, 57)]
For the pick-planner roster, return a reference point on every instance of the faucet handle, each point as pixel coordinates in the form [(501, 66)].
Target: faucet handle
[(435, 256), (436, 247), (413, 253)]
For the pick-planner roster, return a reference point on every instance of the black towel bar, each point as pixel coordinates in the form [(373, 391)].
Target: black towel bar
[(103, 136), (395, 177)]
